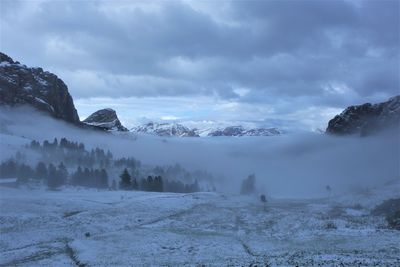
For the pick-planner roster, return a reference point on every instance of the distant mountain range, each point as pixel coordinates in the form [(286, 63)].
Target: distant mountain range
[(176, 129), (20, 85)]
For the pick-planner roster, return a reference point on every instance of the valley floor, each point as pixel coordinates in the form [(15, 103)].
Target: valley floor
[(115, 228)]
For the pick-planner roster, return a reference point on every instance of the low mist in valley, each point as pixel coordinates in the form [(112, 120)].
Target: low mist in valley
[(293, 165)]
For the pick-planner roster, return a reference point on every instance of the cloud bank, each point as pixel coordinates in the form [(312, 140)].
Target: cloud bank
[(281, 58)]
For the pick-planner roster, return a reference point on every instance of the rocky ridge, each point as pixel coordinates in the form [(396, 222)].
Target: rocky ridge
[(20, 85), (367, 118)]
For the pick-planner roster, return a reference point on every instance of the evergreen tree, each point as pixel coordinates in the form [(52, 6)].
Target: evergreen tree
[(57, 176), (134, 183), (125, 182), (25, 172), (62, 173), (8, 169), (41, 171), (103, 178), (77, 177), (150, 183), (52, 181)]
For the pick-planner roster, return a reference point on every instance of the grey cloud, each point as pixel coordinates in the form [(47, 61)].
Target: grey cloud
[(289, 50)]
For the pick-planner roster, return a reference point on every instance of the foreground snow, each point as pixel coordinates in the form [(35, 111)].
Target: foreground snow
[(47, 228)]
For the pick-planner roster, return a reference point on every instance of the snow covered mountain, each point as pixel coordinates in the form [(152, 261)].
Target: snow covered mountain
[(43, 90), (175, 129), (367, 118), (242, 131), (105, 119), (165, 129)]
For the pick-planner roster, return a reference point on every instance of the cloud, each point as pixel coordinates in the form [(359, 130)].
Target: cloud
[(299, 52)]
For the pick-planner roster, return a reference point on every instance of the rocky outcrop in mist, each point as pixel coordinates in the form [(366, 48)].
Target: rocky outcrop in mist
[(367, 118), (105, 119), (43, 90)]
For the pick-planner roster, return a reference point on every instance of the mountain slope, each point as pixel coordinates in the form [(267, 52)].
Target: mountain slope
[(367, 118), (20, 84)]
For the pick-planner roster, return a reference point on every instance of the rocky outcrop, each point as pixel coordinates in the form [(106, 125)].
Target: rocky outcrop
[(20, 84), (165, 129), (366, 119), (241, 131), (105, 119)]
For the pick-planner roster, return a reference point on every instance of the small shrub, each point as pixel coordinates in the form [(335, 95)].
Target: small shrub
[(263, 198), (330, 226), (393, 220)]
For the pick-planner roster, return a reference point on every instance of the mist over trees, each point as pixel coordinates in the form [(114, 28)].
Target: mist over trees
[(64, 162), (248, 185)]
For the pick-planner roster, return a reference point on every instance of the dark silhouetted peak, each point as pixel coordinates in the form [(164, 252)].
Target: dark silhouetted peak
[(20, 85), (366, 118), (6, 59), (105, 119)]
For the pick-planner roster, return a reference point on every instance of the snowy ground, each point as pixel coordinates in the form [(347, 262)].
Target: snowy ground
[(47, 228)]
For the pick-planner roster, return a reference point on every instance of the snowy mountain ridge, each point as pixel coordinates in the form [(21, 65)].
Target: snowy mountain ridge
[(179, 130), (165, 129)]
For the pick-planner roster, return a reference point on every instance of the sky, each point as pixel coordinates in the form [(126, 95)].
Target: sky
[(286, 64)]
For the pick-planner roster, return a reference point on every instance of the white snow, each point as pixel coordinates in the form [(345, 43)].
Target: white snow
[(41, 100), (4, 64), (41, 227), (8, 180)]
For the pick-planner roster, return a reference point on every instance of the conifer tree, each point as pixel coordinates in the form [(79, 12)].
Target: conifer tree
[(41, 170), (125, 182)]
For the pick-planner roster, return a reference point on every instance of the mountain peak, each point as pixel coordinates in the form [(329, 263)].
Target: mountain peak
[(105, 119)]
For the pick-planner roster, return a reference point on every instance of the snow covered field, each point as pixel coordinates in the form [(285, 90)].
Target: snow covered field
[(48, 228)]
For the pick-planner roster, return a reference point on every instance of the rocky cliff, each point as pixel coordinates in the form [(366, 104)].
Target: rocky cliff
[(367, 118), (20, 84)]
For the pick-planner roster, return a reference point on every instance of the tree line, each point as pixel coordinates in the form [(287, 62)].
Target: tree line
[(78, 166)]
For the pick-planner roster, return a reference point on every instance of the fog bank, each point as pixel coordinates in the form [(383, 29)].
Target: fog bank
[(295, 165)]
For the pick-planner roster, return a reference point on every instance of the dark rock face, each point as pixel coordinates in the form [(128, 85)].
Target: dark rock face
[(105, 119), (241, 131), (367, 118), (165, 129), (41, 89)]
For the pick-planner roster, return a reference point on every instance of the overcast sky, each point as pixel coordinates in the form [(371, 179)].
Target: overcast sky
[(274, 63)]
